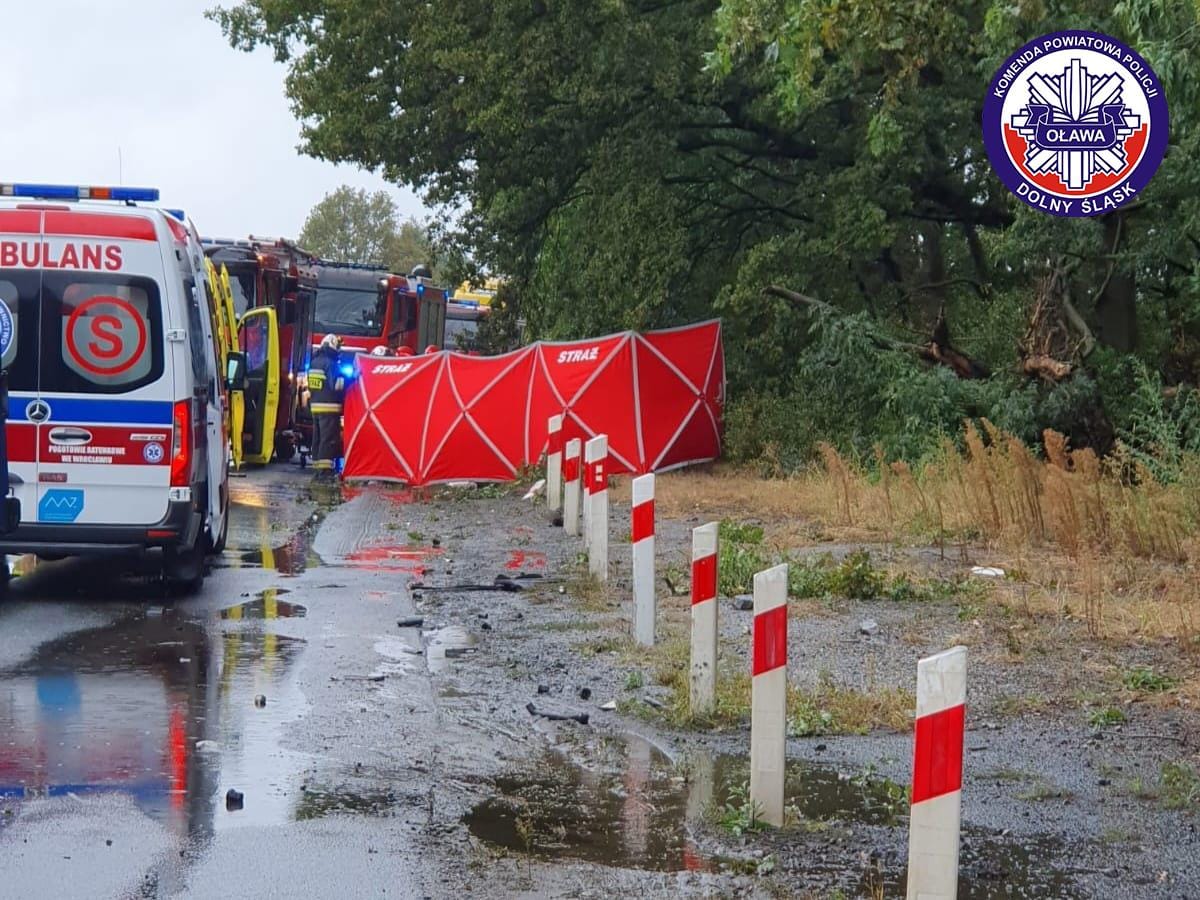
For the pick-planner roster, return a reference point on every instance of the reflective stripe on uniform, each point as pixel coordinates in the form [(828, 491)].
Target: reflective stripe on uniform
[(323, 409), (322, 464), (316, 379)]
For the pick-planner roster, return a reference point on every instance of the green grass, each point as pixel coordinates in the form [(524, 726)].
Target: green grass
[(1042, 791), (1146, 680), (1180, 786), (634, 680), (830, 708), (1106, 717), (740, 815)]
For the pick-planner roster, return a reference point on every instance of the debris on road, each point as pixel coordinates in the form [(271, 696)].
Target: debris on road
[(868, 626), (234, 800), (536, 490), (585, 693), (987, 571), (357, 677), (411, 622), (743, 602), (581, 718), (609, 706), (543, 688), (502, 585), (260, 701)]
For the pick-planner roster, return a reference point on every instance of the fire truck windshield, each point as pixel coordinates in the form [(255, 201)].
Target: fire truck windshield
[(461, 333), (242, 286), (347, 312)]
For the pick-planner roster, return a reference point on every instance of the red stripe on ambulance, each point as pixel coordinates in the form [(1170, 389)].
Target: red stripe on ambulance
[(82, 224), (109, 445), (22, 442), (20, 221)]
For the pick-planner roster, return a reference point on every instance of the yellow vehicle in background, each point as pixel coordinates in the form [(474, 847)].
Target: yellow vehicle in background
[(226, 331), (469, 295)]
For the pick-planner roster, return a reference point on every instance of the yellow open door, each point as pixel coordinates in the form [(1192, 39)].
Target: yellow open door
[(227, 341), (237, 402), (258, 337)]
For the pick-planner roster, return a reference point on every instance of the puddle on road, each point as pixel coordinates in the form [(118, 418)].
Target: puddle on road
[(294, 557), (160, 707), (266, 606), (636, 809), (443, 645)]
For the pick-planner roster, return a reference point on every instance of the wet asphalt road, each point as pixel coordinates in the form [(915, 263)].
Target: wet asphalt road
[(126, 717)]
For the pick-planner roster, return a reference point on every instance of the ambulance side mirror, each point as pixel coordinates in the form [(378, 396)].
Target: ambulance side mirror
[(235, 372)]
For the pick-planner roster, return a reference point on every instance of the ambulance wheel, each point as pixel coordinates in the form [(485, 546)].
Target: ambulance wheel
[(218, 546), (183, 567)]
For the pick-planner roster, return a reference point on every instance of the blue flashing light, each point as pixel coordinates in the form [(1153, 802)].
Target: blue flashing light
[(347, 370), (79, 192)]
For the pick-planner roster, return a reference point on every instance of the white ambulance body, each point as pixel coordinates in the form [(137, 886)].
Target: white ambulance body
[(116, 401)]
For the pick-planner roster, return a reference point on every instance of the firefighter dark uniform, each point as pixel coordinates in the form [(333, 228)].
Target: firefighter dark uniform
[(326, 386)]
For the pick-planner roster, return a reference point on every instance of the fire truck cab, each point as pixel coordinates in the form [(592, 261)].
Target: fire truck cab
[(370, 307)]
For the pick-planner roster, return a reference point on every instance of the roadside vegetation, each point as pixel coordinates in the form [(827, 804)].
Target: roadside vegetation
[(1113, 542)]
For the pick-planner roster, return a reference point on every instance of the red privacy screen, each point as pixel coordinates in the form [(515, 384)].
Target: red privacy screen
[(451, 417)]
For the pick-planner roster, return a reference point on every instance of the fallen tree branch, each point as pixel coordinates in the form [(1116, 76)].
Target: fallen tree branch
[(938, 350)]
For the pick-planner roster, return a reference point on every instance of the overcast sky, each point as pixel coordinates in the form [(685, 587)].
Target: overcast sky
[(208, 125)]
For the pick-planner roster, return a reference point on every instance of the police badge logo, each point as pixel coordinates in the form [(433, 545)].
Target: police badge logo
[(1075, 123)]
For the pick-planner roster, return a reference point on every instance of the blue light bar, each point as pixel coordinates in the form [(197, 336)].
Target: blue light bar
[(79, 192), (177, 213)]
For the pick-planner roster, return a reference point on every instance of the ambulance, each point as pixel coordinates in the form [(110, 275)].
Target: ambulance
[(116, 416)]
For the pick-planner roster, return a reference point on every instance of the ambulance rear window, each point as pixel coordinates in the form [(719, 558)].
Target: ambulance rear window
[(19, 295), (101, 334)]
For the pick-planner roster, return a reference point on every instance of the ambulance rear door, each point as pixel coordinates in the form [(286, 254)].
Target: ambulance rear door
[(105, 405)]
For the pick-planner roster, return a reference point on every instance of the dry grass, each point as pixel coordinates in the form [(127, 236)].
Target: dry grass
[(826, 708), (1098, 541)]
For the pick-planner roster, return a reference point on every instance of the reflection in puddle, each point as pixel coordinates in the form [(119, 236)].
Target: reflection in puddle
[(447, 643), (159, 707), (267, 606), (293, 557), (638, 810)]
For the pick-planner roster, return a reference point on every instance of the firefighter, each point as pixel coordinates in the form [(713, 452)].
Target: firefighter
[(327, 386)]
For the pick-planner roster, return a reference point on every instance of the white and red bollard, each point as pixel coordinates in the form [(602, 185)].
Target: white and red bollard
[(641, 535), (768, 694), (703, 674), (571, 487), (554, 455), (595, 480), (937, 776)]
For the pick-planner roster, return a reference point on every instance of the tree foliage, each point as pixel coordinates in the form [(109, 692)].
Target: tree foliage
[(634, 163), (352, 225)]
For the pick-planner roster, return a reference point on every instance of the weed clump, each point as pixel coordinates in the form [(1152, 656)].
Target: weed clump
[(1145, 680)]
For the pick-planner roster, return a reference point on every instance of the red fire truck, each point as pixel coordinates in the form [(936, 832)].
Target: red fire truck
[(274, 284), (370, 307)]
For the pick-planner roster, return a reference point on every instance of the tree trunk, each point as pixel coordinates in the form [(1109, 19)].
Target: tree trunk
[(1116, 306)]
